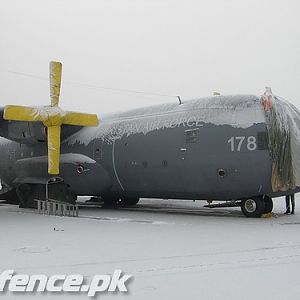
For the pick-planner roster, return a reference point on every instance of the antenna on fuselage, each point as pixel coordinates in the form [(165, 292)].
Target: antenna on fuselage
[(180, 102), (268, 90)]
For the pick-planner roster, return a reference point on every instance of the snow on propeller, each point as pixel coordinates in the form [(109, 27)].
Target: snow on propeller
[(51, 116)]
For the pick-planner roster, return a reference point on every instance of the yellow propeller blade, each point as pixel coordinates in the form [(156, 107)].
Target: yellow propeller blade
[(53, 133), (51, 116), (55, 81), (21, 113), (80, 119)]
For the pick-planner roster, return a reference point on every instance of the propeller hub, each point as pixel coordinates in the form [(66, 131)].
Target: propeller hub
[(52, 115)]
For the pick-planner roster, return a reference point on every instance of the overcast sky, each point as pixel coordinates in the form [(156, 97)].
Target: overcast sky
[(187, 48)]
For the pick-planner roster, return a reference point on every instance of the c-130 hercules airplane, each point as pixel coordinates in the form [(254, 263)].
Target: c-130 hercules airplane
[(242, 148)]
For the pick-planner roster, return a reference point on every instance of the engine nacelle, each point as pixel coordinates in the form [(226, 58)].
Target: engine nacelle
[(30, 132)]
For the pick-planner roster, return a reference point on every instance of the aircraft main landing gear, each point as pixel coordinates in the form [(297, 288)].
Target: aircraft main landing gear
[(129, 201), (28, 193), (254, 207), (25, 193), (110, 201), (116, 201), (10, 197), (268, 204)]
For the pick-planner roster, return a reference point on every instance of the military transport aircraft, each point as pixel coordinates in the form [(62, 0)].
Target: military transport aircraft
[(242, 148)]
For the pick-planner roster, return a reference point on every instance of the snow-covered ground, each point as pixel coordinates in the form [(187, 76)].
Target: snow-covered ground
[(174, 249)]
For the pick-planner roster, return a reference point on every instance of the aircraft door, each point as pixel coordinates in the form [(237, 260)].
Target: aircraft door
[(192, 160)]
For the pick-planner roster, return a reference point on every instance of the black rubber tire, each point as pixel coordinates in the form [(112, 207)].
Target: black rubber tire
[(129, 201), (253, 207), (268, 204), (111, 201), (25, 194)]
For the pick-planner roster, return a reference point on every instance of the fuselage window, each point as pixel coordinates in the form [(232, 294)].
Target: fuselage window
[(191, 136), (98, 153)]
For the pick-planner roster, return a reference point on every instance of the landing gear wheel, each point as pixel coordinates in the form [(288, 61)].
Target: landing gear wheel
[(117, 202), (129, 201), (25, 194), (253, 207), (111, 201), (268, 204)]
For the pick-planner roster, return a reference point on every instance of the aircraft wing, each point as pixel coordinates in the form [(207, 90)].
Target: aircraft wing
[(30, 132)]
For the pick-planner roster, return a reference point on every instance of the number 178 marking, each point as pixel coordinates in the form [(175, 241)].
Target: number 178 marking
[(236, 143)]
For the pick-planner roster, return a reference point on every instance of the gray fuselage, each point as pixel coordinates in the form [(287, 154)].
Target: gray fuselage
[(201, 149)]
